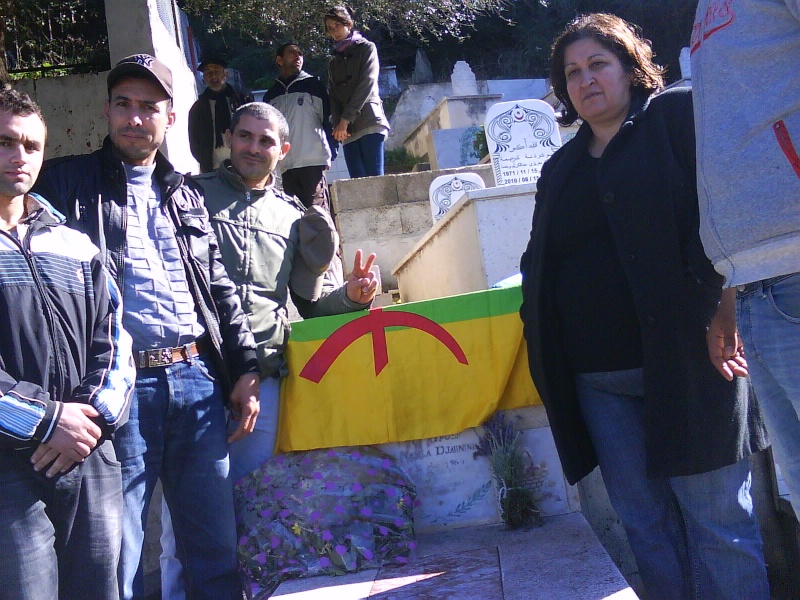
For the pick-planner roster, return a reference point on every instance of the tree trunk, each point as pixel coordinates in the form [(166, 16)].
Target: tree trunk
[(6, 7)]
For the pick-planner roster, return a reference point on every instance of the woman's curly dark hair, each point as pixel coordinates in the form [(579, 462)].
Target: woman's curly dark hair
[(616, 35)]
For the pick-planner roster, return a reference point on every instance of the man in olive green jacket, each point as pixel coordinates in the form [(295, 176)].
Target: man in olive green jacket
[(271, 246)]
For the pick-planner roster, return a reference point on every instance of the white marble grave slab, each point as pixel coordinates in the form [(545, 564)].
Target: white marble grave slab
[(445, 191), (453, 487), (456, 489), (521, 136)]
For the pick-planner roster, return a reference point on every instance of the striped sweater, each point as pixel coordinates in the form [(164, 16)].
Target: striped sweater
[(61, 336)]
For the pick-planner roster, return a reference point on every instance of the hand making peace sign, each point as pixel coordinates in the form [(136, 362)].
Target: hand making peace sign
[(362, 285)]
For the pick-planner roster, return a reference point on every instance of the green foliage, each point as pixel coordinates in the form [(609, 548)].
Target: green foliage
[(400, 159), (499, 39), (267, 20), (479, 143), (52, 38), (500, 443), (517, 42)]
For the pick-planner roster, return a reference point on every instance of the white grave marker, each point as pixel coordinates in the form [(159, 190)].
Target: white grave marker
[(453, 486), (445, 190), (521, 136)]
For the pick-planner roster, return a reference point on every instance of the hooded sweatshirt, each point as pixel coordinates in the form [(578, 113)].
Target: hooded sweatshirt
[(746, 80)]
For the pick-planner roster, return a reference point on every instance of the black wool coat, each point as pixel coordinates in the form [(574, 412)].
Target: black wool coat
[(696, 421)]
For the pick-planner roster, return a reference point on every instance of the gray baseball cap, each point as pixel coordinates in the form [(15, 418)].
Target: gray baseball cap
[(142, 64)]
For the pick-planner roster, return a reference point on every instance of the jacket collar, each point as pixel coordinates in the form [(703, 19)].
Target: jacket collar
[(228, 175), (299, 77), (165, 174), (227, 91), (40, 210), (639, 103)]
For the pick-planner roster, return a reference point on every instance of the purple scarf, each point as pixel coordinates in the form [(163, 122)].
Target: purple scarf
[(347, 42)]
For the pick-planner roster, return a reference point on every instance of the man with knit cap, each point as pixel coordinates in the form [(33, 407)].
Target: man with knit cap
[(210, 115)]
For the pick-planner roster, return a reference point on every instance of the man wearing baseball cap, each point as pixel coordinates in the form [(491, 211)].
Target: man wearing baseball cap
[(191, 340), (210, 115)]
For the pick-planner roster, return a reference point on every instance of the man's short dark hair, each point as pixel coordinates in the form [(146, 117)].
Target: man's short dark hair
[(282, 48), (263, 112), (19, 104)]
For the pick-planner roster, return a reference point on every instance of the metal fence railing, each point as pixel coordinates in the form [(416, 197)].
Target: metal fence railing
[(55, 37)]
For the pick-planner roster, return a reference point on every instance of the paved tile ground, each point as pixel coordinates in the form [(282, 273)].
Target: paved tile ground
[(562, 559)]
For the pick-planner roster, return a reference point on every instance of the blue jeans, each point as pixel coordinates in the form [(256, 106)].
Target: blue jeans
[(693, 536), (60, 537), (251, 452), (768, 315), (364, 157), (177, 432), (246, 455)]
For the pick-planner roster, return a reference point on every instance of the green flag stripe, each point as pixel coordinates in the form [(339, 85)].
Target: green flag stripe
[(464, 307)]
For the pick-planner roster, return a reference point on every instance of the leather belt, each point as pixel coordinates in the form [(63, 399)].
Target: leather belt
[(162, 357)]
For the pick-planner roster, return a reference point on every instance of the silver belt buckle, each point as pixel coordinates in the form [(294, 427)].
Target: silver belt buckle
[(161, 357)]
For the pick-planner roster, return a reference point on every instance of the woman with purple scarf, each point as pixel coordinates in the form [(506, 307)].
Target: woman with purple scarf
[(359, 122)]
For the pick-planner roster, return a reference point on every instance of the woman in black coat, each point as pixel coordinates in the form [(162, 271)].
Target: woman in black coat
[(617, 295)]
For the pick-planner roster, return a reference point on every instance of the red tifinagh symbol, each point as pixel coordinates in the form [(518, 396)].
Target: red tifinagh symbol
[(375, 322)]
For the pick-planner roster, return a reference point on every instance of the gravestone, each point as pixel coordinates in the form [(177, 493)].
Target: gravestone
[(521, 136), (387, 82), (456, 147), (463, 80), (445, 190), (454, 488), (422, 68)]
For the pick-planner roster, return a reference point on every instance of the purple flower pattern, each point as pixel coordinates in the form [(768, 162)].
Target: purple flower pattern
[(319, 512)]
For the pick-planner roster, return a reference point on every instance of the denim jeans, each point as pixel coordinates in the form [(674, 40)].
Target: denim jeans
[(177, 432), (768, 315), (250, 453), (60, 537), (693, 536), (364, 157), (246, 455)]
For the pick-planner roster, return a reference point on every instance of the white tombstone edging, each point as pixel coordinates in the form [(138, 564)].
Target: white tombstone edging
[(445, 191), (521, 136)]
